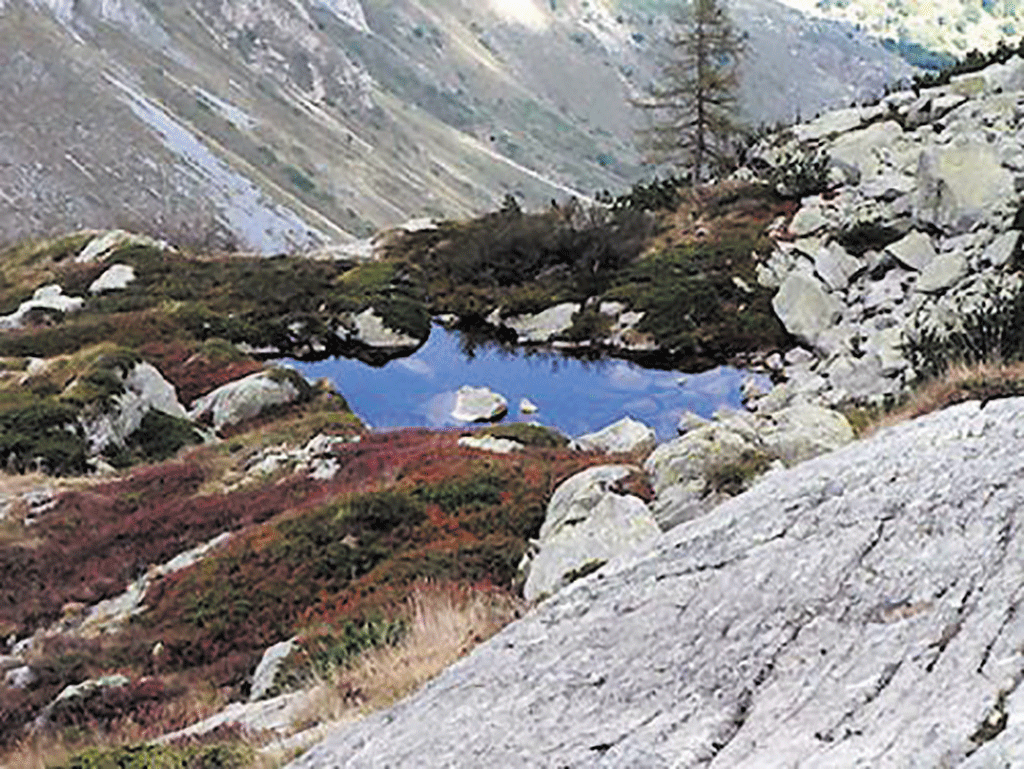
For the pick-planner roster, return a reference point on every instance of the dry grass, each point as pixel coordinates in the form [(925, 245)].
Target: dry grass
[(445, 623), (980, 381)]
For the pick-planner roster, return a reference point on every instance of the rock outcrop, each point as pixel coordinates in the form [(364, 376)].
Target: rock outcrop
[(248, 397), (860, 609), (46, 299)]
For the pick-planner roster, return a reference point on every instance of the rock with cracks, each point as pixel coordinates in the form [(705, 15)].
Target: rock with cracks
[(860, 609)]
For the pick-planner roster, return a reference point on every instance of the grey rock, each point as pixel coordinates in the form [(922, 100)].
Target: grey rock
[(615, 526), (106, 243), (626, 435), (145, 389), (577, 495), (942, 272), (372, 331), (835, 266), (864, 149), (479, 404), (959, 184), (808, 220), (888, 291), (491, 444), (117, 278), (80, 690), (47, 298), (266, 671), (801, 432), (526, 406), (244, 399), (689, 421), (805, 308), (1001, 249), (914, 251), (20, 677), (853, 611), (542, 326), (691, 458), (678, 504)]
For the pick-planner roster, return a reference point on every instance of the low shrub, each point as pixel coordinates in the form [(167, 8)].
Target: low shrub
[(220, 756), (537, 436)]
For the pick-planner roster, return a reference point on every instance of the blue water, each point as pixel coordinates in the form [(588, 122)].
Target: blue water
[(574, 396)]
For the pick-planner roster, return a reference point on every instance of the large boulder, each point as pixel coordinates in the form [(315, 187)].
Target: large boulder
[(104, 244), (959, 184), (479, 404), (801, 432), (805, 308), (249, 397), (626, 435), (117, 277), (689, 460), (588, 522), (861, 609), (263, 678)]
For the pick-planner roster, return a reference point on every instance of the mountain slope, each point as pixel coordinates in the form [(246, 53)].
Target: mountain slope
[(283, 123)]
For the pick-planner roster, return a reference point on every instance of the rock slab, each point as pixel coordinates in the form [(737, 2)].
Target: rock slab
[(860, 609)]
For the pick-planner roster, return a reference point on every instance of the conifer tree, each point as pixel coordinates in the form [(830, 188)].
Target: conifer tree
[(693, 104)]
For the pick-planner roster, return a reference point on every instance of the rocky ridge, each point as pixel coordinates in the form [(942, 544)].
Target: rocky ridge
[(918, 229), (836, 614)]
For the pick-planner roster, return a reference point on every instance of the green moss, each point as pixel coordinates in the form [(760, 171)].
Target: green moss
[(735, 477), (529, 435), (479, 491), (219, 756)]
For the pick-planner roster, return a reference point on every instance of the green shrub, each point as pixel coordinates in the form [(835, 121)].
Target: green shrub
[(45, 431), (161, 435), (220, 756), (480, 490), (800, 173), (529, 435)]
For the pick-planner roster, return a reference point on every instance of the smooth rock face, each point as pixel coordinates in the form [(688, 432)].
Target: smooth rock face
[(625, 435), (479, 404), (805, 309), (915, 250), (959, 183), (243, 399), (942, 272), (857, 610)]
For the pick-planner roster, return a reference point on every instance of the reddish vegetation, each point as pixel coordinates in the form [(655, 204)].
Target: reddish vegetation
[(405, 506)]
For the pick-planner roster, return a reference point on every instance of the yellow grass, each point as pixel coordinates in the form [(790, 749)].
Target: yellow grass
[(979, 381), (445, 624)]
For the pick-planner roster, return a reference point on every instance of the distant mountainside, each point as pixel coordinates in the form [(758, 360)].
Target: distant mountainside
[(285, 123), (922, 27)]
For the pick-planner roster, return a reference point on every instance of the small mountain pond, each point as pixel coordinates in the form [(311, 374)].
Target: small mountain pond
[(575, 396)]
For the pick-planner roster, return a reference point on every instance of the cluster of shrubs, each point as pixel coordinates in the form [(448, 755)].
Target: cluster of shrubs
[(656, 195)]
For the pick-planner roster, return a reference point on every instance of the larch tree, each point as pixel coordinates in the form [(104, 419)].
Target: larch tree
[(693, 104)]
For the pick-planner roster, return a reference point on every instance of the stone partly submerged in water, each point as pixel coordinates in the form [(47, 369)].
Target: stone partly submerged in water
[(859, 609), (479, 404)]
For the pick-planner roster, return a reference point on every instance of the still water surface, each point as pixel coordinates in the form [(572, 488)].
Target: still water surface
[(574, 396)]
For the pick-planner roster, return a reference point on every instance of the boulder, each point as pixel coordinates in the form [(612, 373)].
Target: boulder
[(526, 406), (914, 251), (808, 220), (959, 184), (942, 272), (247, 397), (805, 308), (266, 671), (587, 521), (623, 436), (691, 458), (106, 243), (835, 266), (49, 298), (145, 389), (857, 610), (542, 326), (21, 677), (1001, 250), (864, 149), (798, 433), (490, 443), (116, 278), (371, 330), (79, 691), (479, 404)]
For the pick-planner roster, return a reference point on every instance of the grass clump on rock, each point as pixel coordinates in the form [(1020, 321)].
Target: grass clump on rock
[(528, 434)]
